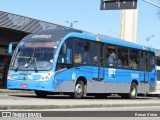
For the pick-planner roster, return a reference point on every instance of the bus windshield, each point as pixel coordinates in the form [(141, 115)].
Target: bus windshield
[(34, 55)]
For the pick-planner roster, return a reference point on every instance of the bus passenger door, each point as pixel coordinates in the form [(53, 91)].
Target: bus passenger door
[(144, 66), (98, 61)]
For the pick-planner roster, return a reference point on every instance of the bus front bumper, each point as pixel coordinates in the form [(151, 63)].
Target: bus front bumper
[(30, 85)]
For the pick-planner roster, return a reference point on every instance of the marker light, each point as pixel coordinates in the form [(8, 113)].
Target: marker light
[(9, 76), (98, 39)]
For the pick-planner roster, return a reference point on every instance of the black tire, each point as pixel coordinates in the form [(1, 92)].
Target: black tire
[(133, 92), (79, 90), (41, 94)]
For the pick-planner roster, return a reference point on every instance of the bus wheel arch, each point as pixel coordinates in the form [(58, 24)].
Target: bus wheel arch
[(80, 88), (135, 81)]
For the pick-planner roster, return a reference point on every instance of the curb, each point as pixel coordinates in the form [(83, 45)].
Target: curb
[(38, 107), (14, 91)]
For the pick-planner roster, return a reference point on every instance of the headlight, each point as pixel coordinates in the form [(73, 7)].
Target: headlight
[(9, 76)]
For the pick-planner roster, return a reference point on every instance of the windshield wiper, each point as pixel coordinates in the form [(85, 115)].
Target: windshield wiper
[(34, 57), (35, 67), (19, 66)]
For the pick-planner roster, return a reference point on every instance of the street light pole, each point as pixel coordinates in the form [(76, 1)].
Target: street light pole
[(152, 3), (71, 23), (148, 39)]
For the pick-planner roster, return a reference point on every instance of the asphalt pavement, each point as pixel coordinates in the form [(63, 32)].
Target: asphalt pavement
[(13, 99)]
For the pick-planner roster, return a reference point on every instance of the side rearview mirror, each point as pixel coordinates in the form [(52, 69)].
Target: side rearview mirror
[(10, 47), (63, 49)]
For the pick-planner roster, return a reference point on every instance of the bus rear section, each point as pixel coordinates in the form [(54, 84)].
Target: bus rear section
[(157, 91), (158, 81)]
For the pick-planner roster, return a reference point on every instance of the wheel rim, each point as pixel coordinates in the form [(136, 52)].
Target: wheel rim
[(133, 91), (79, 88)]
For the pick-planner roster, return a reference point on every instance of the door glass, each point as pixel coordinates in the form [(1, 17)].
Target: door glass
[(142, 61), (101, 55), (95, 54), (98, 61)]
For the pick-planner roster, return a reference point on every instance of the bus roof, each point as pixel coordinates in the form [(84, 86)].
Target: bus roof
[(59, 34), (50, 34)]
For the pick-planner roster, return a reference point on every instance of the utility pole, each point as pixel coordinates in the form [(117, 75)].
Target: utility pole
[(148, 39), (152, 3)]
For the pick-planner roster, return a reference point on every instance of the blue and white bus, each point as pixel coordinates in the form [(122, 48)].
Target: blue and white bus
[(78, 63)]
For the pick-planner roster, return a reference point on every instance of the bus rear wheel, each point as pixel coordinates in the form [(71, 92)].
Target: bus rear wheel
[(133, 92), (41, 94), (79, 90)]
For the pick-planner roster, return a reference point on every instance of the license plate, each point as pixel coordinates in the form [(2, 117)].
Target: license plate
[(24, 85)]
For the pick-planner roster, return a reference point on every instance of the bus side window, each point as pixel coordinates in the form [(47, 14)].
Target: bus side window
[(82, 51), (111, 55), (65, 55), (151, 61), (122, 57), (133, 59)]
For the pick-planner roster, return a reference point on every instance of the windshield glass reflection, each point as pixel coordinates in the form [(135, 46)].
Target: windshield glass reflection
[(37, 55)]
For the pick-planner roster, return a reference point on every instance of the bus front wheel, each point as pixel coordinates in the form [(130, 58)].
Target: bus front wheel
[(79, 90), (41, 94)]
